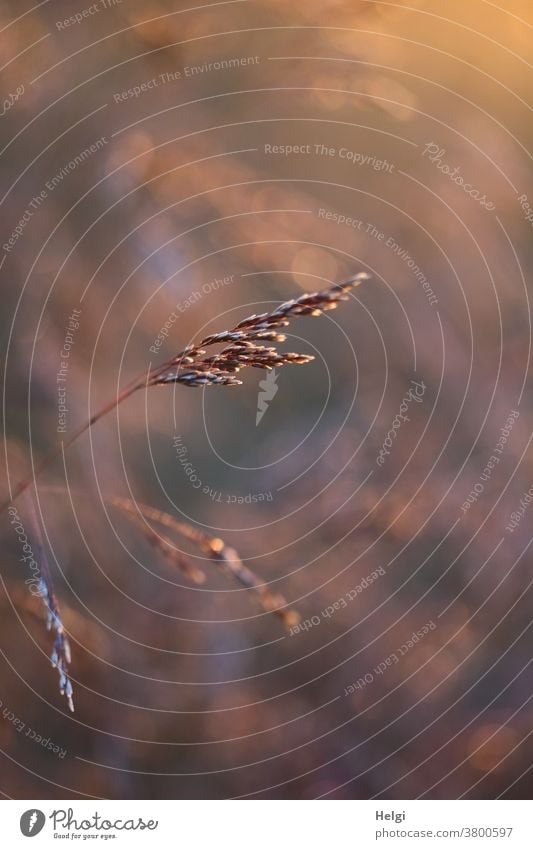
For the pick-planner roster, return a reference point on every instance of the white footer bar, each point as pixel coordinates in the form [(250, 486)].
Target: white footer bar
[(267, 824)]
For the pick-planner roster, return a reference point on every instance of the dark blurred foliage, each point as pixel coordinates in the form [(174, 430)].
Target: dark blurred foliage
[(186, 691)]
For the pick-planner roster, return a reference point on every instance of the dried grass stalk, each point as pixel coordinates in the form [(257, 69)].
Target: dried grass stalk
[(242, 346)]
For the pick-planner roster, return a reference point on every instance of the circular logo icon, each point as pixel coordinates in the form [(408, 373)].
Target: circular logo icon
[(32, 822)]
